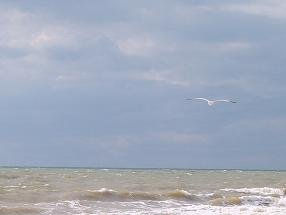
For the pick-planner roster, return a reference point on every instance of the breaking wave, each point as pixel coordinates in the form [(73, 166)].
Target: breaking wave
[(112, 195), (265, 196), (254, 196), (248, 200), (223, 201), (258, 200), (259, 191)]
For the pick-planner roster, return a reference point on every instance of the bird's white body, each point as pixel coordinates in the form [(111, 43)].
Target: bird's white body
[(212, 102)]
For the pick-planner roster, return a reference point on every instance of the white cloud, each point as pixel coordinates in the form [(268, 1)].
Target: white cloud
[(26, 30), (33, 36), (15, 27), (221, 47), (51, 36), (14, 16), (232, 46), (166, 77), (268, 8), (137, 46)]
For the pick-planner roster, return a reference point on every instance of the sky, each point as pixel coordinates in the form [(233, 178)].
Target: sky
[(103, 83)]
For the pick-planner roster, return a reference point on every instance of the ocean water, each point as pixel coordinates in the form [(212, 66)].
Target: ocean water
[(63, 191)]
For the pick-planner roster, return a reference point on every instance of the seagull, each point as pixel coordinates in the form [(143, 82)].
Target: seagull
[(212, 102)]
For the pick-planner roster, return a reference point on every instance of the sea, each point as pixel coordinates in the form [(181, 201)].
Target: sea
[(86, 191)]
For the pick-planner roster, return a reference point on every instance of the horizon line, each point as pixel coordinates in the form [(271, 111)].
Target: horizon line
[(140, 168)]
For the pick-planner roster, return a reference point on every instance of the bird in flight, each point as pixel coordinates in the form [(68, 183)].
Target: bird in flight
[(212, 102)]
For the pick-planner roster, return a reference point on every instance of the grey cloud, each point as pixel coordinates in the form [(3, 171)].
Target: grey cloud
[(89, 79)]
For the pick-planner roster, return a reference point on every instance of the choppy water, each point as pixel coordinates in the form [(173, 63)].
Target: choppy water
[(131, 191)]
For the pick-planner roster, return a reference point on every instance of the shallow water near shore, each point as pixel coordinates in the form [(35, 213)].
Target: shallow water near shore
[(140, 191)]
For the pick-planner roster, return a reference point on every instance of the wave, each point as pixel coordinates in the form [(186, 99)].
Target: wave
[(258, 200), (112, 195), (223, 201), (215, 199), (248, 200), (259, 191)]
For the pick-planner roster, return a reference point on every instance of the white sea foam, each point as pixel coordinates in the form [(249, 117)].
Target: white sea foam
[(207, 195), (161, 207), (257, 191), (104, 190), (169, 208), (258, 200), (282, 202), (217, 210)]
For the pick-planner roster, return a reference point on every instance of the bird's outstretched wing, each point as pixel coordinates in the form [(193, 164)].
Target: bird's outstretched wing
[(224, 100), (202, 99)]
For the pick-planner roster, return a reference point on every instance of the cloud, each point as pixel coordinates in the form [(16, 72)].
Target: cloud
[(14, 16), (232, 46), (95, 51), (165, 77), (112, 77), (52, 36), (137, 46), (274, 9)]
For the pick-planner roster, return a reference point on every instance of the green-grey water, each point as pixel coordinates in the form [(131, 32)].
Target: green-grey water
[(141, 191)]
